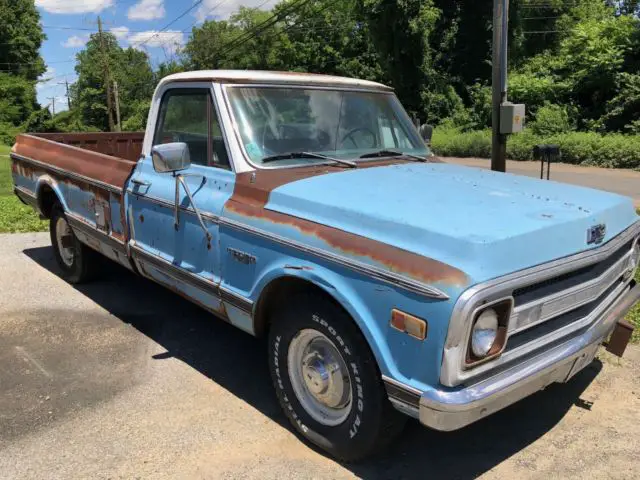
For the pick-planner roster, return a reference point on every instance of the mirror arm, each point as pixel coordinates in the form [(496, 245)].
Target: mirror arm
[(180, 180)]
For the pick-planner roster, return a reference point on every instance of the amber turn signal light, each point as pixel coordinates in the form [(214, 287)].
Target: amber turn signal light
[(414, 326)]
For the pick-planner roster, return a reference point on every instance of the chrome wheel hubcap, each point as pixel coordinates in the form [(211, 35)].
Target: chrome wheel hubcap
[(319, 377), (64, 238)]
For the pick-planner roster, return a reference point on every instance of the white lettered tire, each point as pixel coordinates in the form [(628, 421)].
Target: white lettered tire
[(327, 380), (77, 262)]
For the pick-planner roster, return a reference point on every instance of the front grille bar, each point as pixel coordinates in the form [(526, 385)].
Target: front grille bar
[(544, 309)]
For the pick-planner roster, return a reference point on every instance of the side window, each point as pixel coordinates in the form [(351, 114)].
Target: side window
[(185, 116)]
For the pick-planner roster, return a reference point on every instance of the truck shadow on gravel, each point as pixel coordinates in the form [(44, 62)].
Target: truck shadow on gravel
[(237, 362)]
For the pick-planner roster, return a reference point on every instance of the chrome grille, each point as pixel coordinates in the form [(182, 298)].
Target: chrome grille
[(553, 302), (573, 296), (565, 281), (567, 319)]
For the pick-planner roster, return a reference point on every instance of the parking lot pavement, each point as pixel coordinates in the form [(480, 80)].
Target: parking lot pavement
[(616, 180), (122, 379)]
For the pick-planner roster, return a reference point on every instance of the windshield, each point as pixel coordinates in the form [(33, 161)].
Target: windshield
[(275, 121)]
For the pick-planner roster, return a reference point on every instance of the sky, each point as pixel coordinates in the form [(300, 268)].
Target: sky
[(138, 23)]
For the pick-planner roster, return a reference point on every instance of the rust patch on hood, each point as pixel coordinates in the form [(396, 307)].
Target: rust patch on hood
[(251, 194)]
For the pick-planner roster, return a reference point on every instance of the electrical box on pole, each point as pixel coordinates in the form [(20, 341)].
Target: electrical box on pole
[(511, 117)]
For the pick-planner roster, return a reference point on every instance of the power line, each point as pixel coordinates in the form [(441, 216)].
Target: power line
[(211, 11), (35, 63), (261, 27), (170, 23), (93, 30)]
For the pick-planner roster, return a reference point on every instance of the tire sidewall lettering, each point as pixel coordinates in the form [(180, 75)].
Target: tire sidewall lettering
[(353, 424)]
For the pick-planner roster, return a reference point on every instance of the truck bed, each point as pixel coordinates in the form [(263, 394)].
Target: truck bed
[(87, 172)]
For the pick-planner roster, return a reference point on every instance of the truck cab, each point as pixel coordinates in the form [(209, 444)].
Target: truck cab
[(307, 209)]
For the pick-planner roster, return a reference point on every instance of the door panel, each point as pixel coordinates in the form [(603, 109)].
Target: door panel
[(179, 255)]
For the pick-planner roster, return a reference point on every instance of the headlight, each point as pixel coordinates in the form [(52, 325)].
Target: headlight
[(484, 334), (488, 335)]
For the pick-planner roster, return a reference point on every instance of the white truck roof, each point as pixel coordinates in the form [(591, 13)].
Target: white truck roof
[(276, 78)]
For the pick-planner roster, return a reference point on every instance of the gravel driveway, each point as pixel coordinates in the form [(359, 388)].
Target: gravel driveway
[(122, 379)]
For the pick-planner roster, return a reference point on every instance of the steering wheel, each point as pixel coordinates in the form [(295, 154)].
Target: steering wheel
[(266, 129), (350, 133)]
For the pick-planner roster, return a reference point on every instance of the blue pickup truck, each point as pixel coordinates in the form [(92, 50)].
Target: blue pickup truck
[(307, 209)]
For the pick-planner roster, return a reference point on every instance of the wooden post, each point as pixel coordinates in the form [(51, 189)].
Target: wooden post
[(107, 76), (499, 64), (117, 97)]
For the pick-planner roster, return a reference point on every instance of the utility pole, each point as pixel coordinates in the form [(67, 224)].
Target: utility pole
[(66, 84), (107, 75), (499, 64), (53, 104), (117, 97)]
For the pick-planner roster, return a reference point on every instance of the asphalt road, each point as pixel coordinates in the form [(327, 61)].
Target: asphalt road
[(122, 379), (616, 180)]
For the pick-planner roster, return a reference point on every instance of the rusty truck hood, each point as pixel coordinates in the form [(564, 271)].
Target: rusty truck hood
[(483, 223)]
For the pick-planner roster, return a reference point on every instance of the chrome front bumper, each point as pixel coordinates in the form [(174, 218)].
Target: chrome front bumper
[(448, 410)]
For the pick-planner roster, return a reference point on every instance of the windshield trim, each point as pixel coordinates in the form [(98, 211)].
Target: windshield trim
[(236, 129)]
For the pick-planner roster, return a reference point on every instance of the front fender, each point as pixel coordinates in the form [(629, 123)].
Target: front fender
[(343, 292)]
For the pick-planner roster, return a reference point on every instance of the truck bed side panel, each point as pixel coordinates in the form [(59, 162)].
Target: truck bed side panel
[(88, 184), (125, 145)]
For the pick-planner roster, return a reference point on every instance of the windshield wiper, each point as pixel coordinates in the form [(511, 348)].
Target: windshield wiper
[(393, 153), (305, 155)]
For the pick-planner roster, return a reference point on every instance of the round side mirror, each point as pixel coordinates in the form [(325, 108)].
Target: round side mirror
[(426, 132)]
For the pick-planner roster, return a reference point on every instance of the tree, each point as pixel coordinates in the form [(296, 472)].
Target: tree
[(402, 35), (129, 67), (585, 68), (205, 48), (20, 64), (21, 37), (328, 37)]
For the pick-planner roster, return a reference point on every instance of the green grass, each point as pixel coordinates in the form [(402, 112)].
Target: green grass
[(14, 215)]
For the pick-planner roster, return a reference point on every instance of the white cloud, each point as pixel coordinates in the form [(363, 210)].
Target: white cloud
[(224, 9), (171, 40), (147, 10), (75, 42), (120, 32), (49, 74), (74, 6)]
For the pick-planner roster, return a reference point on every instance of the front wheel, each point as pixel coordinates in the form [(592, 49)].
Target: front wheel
[(76, 260), (327, 380)]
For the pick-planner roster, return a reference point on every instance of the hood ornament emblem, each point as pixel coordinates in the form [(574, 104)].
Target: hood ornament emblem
[(596, 234)]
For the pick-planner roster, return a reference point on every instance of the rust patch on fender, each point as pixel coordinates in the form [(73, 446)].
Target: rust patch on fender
[(251, 194)]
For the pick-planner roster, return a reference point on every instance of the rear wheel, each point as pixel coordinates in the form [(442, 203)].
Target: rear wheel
[(76, 260), (327, 380)]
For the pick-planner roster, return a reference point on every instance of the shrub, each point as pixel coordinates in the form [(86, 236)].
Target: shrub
[(452, 142), (551, 119), (8, 133), (581, 148)]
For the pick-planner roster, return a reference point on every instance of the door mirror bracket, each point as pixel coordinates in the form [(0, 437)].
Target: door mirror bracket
[(176, 223)]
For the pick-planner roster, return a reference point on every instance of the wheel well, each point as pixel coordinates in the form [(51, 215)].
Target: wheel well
[(276, 293), (47, 198)]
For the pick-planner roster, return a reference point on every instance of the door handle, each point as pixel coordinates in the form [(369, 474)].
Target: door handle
[(140, 183)]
